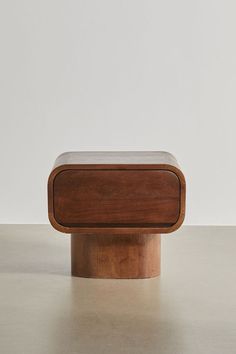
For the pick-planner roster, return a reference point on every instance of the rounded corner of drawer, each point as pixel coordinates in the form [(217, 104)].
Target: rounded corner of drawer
[(178, 172), (56, 225), (55, 171), (177, 224)]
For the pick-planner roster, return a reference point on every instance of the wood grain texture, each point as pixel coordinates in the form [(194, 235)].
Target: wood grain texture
[(116, 198), (126, 256), (115, 205), (111, 193)]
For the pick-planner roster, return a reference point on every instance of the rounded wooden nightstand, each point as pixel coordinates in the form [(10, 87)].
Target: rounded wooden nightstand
[(115, 205)]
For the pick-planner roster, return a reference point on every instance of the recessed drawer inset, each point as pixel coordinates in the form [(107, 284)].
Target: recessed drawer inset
[(122, 198)]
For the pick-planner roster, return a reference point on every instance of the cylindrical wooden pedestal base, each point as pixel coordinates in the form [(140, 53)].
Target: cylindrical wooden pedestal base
[(115, 256)]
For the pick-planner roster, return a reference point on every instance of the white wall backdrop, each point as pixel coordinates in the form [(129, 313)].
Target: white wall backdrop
[(118, 75)]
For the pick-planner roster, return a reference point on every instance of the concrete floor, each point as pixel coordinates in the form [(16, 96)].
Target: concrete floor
[(190, 309)]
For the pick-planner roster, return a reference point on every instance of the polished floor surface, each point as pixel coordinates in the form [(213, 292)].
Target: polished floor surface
[(190, 308)]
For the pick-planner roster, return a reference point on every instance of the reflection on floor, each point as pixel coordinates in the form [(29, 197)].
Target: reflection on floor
[(191, 308)]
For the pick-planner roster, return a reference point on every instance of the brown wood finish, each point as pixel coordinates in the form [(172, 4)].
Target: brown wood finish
[(116, 198), (123, 257), (115, 205), (157, 204)]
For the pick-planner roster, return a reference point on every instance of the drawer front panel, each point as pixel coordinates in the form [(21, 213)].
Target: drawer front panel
[(122, 198)]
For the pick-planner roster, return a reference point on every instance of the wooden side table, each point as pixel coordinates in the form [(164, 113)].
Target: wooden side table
[(115, 205)]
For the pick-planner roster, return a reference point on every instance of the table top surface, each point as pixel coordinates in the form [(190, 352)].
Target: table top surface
[(190, 309), (116, 158)]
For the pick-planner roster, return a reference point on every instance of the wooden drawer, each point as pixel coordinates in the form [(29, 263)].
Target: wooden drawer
[(118, 198)]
